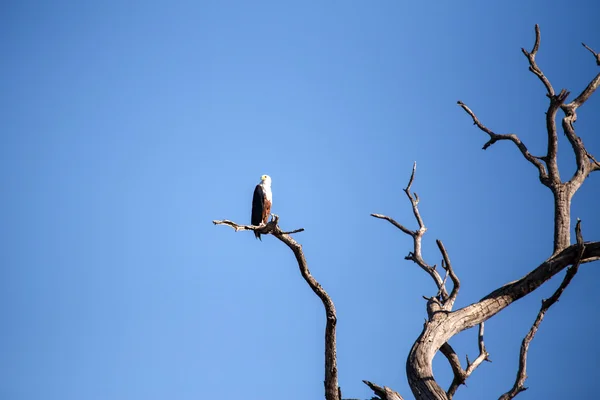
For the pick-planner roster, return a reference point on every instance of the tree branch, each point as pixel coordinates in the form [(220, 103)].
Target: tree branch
[(417, 235), (461, 375), (483, 354), (271, 227), (502, 297), (384, 393), (332, 391), (596, 55), (586, 163), (449, 303), (519, 387), (494, 137), (533, 67)]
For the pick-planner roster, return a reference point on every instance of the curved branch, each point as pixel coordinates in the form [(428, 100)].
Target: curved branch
[(494, 137), (332, 391), (501, 298), (533, 67)]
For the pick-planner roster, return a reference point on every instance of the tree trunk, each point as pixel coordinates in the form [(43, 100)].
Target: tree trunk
[(562, 217), (419, 365)]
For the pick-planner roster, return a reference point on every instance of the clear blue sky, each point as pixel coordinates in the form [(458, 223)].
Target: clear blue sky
[(127, 127)]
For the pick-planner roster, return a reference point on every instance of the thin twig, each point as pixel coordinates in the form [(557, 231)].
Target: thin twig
[(447, 265), (417, 235), (518, 386), (596, 55), (533, 67), (393, 222), (494, 137), (461, 375)]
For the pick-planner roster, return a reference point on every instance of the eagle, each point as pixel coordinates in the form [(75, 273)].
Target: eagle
[(261, 203)]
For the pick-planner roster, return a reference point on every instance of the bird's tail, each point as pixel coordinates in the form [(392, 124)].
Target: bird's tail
[(257, 235)]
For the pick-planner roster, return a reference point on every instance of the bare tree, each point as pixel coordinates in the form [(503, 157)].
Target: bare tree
[(443, 322)]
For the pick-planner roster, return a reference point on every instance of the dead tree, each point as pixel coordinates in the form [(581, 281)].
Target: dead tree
[(443, 322)]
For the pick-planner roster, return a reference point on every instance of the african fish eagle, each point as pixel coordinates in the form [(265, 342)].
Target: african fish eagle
[(261, 203)]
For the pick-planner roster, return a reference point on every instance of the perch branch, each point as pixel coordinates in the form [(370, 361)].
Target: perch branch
[(519, 387), (417, 235), (271, 227), (332, 391)]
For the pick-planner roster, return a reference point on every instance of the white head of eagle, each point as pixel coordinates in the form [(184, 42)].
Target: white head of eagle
[(261, 203)]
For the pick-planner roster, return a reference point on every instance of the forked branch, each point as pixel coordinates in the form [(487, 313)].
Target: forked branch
[(417, 235), (533, 67), (461, 375)]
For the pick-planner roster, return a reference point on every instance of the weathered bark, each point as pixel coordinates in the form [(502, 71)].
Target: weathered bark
[(443, 323), (562, 217)]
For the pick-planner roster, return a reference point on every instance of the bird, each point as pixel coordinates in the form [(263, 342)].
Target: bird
[(261, 203)]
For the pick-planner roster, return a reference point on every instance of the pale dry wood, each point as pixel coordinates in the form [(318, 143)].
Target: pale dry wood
[(332, 390), (441, 326), (384, 393), (461, 375)]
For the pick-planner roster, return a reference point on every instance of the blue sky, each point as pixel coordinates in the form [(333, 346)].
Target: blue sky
[(127, 127)]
